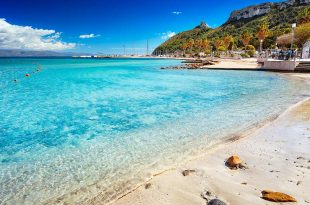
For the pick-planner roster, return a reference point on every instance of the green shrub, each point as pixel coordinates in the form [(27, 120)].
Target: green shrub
[(222, 48), (250, 47), (251, 53), (245, 55), (208, 51), (250, 50)]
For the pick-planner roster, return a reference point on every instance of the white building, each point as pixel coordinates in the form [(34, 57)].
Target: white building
[(306, 50)]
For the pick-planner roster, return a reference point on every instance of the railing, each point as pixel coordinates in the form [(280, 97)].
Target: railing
[(286, 55)]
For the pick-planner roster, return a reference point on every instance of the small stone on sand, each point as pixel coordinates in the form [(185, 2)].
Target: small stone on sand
[(187, 172), (148, 185), (234, 162), (277, 196), (216, 202), (206, 194)]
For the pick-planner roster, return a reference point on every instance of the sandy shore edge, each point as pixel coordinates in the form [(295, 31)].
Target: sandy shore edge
[(270, 152)]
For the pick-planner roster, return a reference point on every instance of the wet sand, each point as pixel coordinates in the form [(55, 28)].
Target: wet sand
[(277, 156)]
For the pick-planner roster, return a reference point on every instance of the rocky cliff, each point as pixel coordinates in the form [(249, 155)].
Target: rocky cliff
[(278, 16), (261, 9)]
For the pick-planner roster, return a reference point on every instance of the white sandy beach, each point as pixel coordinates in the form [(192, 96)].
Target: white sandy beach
[(277, 156), (246, 63)]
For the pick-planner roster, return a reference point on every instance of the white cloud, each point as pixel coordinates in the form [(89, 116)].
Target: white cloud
[(177, 12), (26, 37), (167, 35), (89, 35)]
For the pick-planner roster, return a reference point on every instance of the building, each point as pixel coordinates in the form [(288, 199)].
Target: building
[(306, 50)]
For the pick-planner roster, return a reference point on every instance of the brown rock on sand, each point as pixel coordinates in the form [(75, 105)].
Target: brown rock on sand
[(148, 185), (277, 196), (187, 172), (234, 162)]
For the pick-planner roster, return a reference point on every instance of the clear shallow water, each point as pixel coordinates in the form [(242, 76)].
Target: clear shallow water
[(86, 130)]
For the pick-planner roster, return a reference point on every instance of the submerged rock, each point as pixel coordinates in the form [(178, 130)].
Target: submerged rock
[(277, 196), (216, 202)]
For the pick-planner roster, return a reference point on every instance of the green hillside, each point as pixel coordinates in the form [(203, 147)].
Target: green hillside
[(279, 22)]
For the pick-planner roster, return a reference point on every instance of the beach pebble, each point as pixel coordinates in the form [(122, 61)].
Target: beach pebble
[(277, 196), (148, 185), (216, 202), (234, 162), (187, 172), (206, 194)]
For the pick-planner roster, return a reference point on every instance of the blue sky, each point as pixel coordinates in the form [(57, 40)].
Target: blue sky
[(105, 26)]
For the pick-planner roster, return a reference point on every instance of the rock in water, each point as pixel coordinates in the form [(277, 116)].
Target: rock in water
[(233, 162), (277, 196), (216, 202)]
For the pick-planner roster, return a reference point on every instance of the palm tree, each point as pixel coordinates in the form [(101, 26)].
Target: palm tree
[(228, 39), (218, 43), (262, 33), (245, 38), (184, 47), (191, 44), (198, 44), (205, 44)]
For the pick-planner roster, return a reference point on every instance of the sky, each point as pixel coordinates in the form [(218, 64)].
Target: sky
[(105, 26)]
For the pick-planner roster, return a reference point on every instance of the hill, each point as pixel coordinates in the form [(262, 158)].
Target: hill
[(278, 16)]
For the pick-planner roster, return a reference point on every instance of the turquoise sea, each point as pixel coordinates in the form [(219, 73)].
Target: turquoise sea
[(93, 129)]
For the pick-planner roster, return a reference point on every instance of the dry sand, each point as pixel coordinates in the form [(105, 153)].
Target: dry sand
[(246, 63), (277, 156)]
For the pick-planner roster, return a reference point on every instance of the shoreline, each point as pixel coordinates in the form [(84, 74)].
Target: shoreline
[(159, 180), (232, 138)]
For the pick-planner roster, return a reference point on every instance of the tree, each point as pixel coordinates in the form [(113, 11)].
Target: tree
[(205, 44), (284, 40), (218, 43), (191, 44), (228, 39), (304, 16), (262, 33), (184, 47), (245, 38), (198, 44), (302, 34)]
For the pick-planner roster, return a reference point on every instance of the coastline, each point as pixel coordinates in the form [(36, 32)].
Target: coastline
[(239, 64), (210, 173), (80, 192)]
